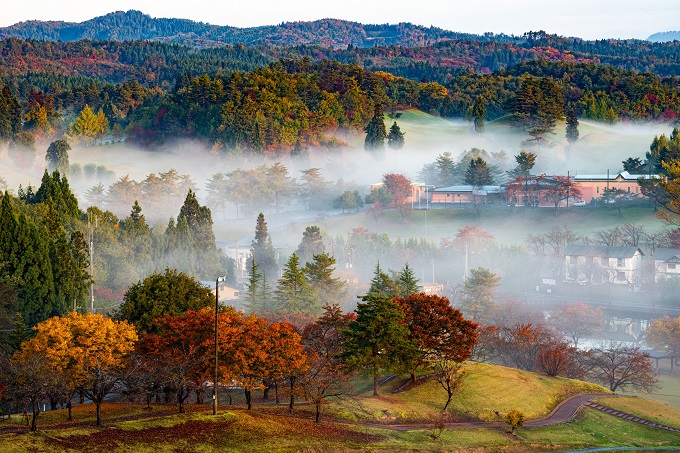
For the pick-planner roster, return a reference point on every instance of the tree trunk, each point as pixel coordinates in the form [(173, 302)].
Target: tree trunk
[(276, 392), (69, 405), (249, 399), (318, 412), (34, 419), (53, 404), (82, 396), (376, 384), (291, 403), (98, 406), (448, 400), (265, 392), (413, 376)]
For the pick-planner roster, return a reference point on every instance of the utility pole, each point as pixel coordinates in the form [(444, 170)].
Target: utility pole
[(217, 309), (92, 223)]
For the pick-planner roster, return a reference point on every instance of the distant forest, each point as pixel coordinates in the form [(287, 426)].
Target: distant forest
[(284, 91)]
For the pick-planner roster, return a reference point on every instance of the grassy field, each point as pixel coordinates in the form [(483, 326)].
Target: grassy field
[(239, 431), (130, 427), (486, 389), (635, 405)]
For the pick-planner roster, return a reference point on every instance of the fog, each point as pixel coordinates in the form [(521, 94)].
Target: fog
[(386, 237)]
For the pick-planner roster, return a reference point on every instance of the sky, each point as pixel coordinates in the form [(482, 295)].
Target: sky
[(588, 19)]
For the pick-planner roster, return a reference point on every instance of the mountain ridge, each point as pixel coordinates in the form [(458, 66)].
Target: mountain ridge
[(135, 25)]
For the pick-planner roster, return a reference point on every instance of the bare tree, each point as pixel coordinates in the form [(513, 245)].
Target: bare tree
[(576, 320), (450, 376), (621, 367)]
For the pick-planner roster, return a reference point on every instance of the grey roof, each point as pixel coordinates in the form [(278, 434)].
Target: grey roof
[(613, 176), (468, 188), (664, 254), (603, 251)]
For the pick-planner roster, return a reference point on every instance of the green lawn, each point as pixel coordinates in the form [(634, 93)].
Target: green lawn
[(635, 405), (486, 389)]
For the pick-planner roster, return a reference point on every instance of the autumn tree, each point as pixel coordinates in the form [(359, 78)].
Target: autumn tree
[(514, 418), (378, 341), (285, 357), (438, 331), (576, 321), (171, 293), (621, 367), (664, 335), (29, 378), (449, 374), (326, 377), (399, 187), (89, 350)]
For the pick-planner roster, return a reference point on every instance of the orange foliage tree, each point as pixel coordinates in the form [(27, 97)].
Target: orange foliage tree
[(91, 352)]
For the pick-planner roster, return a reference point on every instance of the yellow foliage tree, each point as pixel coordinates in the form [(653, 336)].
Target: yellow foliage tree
[(91, 351)]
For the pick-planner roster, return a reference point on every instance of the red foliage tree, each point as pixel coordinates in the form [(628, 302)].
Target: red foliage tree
[(326, 376), (439, 331)]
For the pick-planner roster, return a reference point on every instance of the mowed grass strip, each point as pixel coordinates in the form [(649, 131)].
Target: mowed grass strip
[(644, 408)]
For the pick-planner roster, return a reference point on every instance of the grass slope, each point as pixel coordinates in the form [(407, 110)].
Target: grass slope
[(486, 389)]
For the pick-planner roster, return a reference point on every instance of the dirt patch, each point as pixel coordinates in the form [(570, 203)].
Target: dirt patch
[(111, 438)]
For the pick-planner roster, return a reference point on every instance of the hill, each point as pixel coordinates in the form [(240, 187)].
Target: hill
[(133, 427), (665, 36), (135, 25)]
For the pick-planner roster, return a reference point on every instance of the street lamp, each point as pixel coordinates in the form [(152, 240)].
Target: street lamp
[(217, 306)]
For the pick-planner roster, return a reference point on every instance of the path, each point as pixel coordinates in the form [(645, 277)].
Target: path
[(563, 413)]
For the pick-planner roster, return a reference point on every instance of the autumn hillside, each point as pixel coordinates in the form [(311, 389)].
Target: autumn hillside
[(487, 388)]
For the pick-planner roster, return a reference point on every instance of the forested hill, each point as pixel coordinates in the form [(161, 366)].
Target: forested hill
[(665, 36), (134, 25)]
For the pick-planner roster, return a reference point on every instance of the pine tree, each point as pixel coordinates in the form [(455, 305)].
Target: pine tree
[(407, 281), (377, 341), (478, 173), (319, 272), (293, 292), (252, 285), (199, 221), (262, 249), (478, 114), (382, 284), (572, 126), (311, 245), (375, 131), (395, 139)]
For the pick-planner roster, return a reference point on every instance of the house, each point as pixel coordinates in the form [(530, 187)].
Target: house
[(453, 195), (431, 288), (594, 186), (666, 263), (597, 264), (227, 293), (420, 193)]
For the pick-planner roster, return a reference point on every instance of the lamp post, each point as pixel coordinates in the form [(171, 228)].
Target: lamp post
[(217, 306)]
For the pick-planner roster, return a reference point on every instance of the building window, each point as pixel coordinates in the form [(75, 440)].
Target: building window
[(597, 189), (628, 189), (621, 276), (620, 262), (671, 266)]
